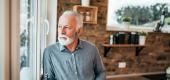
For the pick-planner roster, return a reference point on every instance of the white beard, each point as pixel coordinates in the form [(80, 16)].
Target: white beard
[(63, 41)]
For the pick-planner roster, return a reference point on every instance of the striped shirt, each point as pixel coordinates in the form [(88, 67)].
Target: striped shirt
[(83, 64)]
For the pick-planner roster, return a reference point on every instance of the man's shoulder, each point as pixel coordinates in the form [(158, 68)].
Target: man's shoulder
[(52, 47), (87, 43)]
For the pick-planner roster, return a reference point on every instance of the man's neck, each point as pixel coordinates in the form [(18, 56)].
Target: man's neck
[(72, 47)]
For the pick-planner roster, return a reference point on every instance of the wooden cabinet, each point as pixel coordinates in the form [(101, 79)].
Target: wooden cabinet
[(89, 13)]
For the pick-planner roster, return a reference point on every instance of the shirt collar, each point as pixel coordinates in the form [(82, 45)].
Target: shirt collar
[(80, 45), (62, 48)]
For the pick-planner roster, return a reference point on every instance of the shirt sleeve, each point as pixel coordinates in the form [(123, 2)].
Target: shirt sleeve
[(48, 73), (99, 68)]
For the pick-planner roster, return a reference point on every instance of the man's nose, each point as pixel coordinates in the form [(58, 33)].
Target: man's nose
[(62, 30)]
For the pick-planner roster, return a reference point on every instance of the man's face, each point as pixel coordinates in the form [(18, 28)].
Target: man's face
[(67, 29)]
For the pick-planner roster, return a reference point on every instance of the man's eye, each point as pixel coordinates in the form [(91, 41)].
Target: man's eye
[(59, 26), (65, 27), (68, 27)]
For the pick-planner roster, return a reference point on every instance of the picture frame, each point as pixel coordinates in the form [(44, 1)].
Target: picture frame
[(143, 21)]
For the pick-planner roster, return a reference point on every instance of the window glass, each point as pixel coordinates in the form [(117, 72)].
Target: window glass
[(27, 39)]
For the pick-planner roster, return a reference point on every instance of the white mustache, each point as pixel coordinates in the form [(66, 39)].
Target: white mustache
[(63, 36), (64, 40)]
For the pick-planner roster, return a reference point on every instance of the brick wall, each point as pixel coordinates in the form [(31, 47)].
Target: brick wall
[(154, 57)]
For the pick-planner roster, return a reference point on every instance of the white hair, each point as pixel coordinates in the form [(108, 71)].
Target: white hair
[(79, 17)]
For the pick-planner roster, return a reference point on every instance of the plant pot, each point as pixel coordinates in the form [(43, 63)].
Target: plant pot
[(85, 2), (126, 25), (142, 40)]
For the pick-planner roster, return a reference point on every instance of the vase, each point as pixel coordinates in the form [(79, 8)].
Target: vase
[(126, 25), (85, 2), (142, 40)]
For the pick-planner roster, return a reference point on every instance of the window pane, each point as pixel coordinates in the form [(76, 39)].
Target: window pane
[(48, 11), (27, 40)]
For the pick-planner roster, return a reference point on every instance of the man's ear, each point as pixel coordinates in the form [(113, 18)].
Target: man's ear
[(80, 31)]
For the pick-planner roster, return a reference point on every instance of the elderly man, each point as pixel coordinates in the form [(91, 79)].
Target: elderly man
[(72, 58)]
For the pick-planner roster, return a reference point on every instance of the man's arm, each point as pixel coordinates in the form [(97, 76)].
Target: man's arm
[(99, 68), (47, 68)]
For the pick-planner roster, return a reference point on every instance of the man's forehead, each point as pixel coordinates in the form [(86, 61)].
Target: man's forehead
[(67, 19)]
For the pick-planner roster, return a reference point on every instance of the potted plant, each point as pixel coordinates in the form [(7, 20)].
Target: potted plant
[(126, 22), (126, 19), (142, 37)]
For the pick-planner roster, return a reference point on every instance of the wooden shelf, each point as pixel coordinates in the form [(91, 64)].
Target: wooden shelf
[(122, 45), (107, 47), (89, 13)]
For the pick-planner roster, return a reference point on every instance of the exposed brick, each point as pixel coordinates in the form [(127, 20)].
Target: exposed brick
[(155, 57)]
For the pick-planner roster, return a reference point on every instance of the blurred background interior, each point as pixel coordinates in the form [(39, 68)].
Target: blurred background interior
[(133, 36)]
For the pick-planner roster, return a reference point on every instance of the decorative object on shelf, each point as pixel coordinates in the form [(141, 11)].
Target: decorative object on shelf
[(87, 16), (133, 38), (126, 22), (142, 38), (120, 38), (168, 73), (89, 13), (85, 2), (112, 39)]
